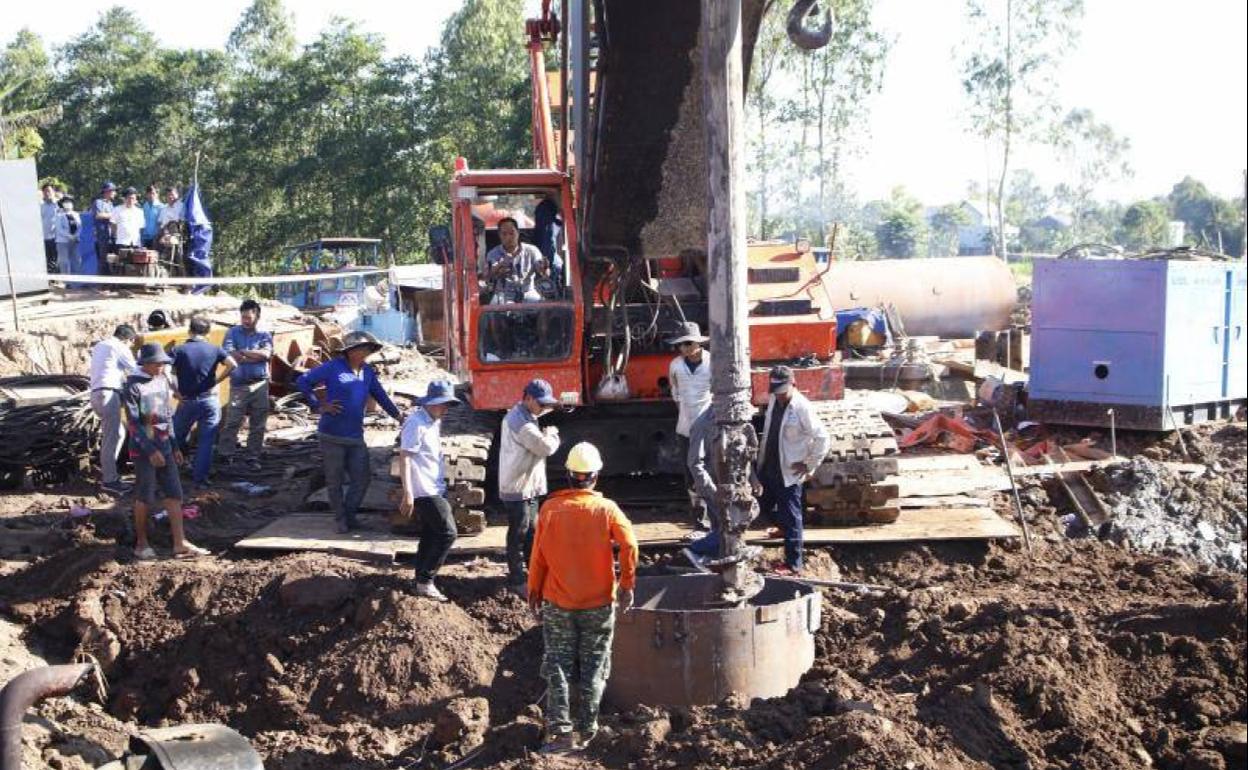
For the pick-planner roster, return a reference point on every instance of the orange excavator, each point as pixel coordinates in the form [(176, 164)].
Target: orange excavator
[(617, 201)]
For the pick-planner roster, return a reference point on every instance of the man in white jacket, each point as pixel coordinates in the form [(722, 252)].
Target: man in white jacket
[(794, 443), (522, 452), (689, 377)]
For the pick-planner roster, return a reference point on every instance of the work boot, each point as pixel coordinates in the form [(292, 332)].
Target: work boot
[(694, 559), (341, 527), (430, 591), (561, 743)]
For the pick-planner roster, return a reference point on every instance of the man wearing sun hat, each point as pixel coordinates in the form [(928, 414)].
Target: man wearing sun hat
[(348, 383), (423, 472), (793, 444), (148, 403), (689, 378), (523, 448)]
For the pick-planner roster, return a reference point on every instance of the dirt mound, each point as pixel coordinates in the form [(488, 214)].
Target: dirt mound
[(335, 653)]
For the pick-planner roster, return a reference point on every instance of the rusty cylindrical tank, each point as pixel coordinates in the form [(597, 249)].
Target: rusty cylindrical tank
[(940, 297), (675, 649)]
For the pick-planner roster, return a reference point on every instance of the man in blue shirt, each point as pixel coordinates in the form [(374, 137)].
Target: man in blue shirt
[(251, 348), (151, 212), (348, 383), (195, 363), (102, 220)]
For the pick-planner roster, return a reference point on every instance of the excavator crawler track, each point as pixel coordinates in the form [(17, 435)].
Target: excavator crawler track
[(466, 440), (847, 487)]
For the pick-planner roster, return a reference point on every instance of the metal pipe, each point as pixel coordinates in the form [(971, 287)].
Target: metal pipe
[(25, 690), (1009, 470), (726, 292)]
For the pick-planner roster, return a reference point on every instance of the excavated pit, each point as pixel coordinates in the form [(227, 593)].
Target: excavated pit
[(677, 648)]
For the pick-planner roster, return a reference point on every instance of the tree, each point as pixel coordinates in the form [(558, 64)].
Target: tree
[(900, 229), (25, 73), (1007, 73), (264, 37), (1145, 225), (476, 85), (1210, 222), (945, 223), (1094, 155)]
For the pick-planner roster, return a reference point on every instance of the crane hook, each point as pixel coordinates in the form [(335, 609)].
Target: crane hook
[(800, 34)]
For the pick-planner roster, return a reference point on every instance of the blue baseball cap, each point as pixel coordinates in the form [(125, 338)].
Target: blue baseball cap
[(439, 392), (541, 391)]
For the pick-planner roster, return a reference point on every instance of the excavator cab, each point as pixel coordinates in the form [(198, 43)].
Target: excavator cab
[(518, 317)]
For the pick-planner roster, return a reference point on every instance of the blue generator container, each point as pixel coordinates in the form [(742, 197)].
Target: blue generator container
[(1159, 341)]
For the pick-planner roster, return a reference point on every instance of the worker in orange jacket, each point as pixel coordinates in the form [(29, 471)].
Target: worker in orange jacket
[(572, 581)]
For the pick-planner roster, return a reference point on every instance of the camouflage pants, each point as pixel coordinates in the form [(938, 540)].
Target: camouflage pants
[(576, 638)]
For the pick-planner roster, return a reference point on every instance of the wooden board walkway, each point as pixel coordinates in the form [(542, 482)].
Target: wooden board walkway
[(315, 532)]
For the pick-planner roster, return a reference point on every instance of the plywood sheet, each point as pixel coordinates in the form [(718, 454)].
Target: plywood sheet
[(315, 532), (942, 483), (928, 463)]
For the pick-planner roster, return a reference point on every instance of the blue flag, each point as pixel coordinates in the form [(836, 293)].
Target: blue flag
[(199, 246)]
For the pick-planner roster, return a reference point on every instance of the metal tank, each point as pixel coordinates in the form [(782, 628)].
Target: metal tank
[(940, 297), (675, 648)]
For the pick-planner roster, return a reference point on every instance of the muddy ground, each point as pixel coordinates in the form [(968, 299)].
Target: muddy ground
[(1114, 649), (1089, 654)]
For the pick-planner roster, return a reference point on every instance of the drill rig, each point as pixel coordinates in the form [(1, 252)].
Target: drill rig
[(637, 160)]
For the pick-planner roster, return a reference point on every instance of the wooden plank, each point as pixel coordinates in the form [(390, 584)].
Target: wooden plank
[(315, 532), (949, 462), (943, 483), (947, 501)]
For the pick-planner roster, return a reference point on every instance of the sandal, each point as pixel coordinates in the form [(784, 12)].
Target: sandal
[(191, 552), (146, 553)]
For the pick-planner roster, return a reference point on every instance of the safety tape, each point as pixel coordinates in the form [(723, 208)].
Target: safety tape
[(188, 281)]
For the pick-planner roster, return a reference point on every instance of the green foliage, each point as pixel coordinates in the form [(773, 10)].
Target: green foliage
[(807, 110), (900, 229), (944, 224), (293, 143), (1007, 72), (1211, 222), (1094, 155), (25, 72), (1145, 225)]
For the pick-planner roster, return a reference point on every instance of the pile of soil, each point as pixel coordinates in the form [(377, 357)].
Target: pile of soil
[(299, 651), (1086, 656)]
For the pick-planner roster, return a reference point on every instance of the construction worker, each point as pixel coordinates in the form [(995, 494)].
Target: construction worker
[(523, 448), (102, 221), (151, 213), (196, 363), (689, 377), (572, 582), (348, 383), (793, 444), (148, 401), (252, 348), (423, 473), (49, 208), (111, 363)]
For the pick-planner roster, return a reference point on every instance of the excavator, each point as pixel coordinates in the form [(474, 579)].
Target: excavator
[(618, 200)]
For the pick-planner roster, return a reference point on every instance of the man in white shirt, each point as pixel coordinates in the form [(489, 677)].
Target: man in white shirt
[(174, 210), (111, 363), (424, 485), (48, 209), (689, 378), (128, 221), (793, 444)]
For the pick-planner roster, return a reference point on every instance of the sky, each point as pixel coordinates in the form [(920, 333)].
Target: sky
[(1171, 77)]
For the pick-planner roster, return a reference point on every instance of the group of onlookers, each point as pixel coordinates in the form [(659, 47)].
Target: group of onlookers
[(114, 223)]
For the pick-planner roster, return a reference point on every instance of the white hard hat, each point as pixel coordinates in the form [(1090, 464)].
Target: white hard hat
[(584, 458)]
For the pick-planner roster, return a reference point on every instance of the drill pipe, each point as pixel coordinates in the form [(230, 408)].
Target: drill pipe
[(25, 690)]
